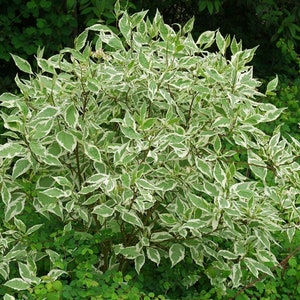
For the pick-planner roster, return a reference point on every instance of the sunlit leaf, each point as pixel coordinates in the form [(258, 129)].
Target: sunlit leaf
[(22, 64)]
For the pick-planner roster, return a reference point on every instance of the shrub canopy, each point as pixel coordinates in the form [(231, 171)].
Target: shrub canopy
[(151, 139)]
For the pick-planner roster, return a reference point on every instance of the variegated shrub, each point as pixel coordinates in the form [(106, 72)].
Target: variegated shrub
[(154, 137)]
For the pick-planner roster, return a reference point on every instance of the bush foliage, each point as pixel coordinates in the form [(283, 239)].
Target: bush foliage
[(138, 149)]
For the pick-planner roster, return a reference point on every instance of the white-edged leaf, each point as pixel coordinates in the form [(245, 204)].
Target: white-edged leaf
[(10, 150), (222, 201), (8, 297), (5, 194), (92, 152), (66, 140), (139, 262), (55, 273), (145, 184), (80, 40), (257, 165), (132, 218), (203, 166), (143, 61), (161, 236), (153, 255), (219, 174), (48, 112), (71, 116), (14, 208), (18, 284), (103, 210), (130, 252), (20, 225), (291, 233), (22, 64), (21, 166), (51, 160), (236, 274), (271, 86), (26, 273), (54, 192), (176, 253), (34, 228), (255, 266), (227, 254), (206, 39)]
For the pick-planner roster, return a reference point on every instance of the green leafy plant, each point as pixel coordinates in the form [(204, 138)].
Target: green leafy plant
[(148, 143)]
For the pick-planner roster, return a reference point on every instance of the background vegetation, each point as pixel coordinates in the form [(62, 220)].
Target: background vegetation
[(273, 25)]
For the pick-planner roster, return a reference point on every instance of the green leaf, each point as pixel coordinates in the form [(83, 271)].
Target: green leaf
[(66, 140), (255, 266), (236, 274), (257, 165), (21, 166), (228, 255), (17, 284), (71, 116), (34, 228), (271, 86), (80, 40), (188, 26), (51, 160), (168, 219), (161, 236), (92, 152), (54, 192), (148, 124), (153, 255), (195, 224), (9, 100), (5, 194), (206, 39), (8, 297), (145, 184), (46, 66), (143, 61), (211, 189), (55, 273), (199, 202), (130, 133), (11, 150), (26, 273), (20, 225), (220, 175), (166, 185), (291, 232), (176, 253), (223, 202), (130, 252), (221, 43), (54, 256), (47, 112), (103, 210), (139, 261), (14, 208), (125, 28), (132, 218), (22, 64), (204, 167)]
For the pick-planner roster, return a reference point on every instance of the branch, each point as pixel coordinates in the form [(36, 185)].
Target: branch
[(283, 263)]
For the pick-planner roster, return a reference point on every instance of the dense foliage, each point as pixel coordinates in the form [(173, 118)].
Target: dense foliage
[(142, 149)]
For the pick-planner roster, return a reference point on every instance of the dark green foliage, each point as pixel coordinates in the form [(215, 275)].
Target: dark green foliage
[(28, 25)]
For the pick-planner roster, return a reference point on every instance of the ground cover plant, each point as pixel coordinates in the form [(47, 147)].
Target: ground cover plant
[(141, 148)]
